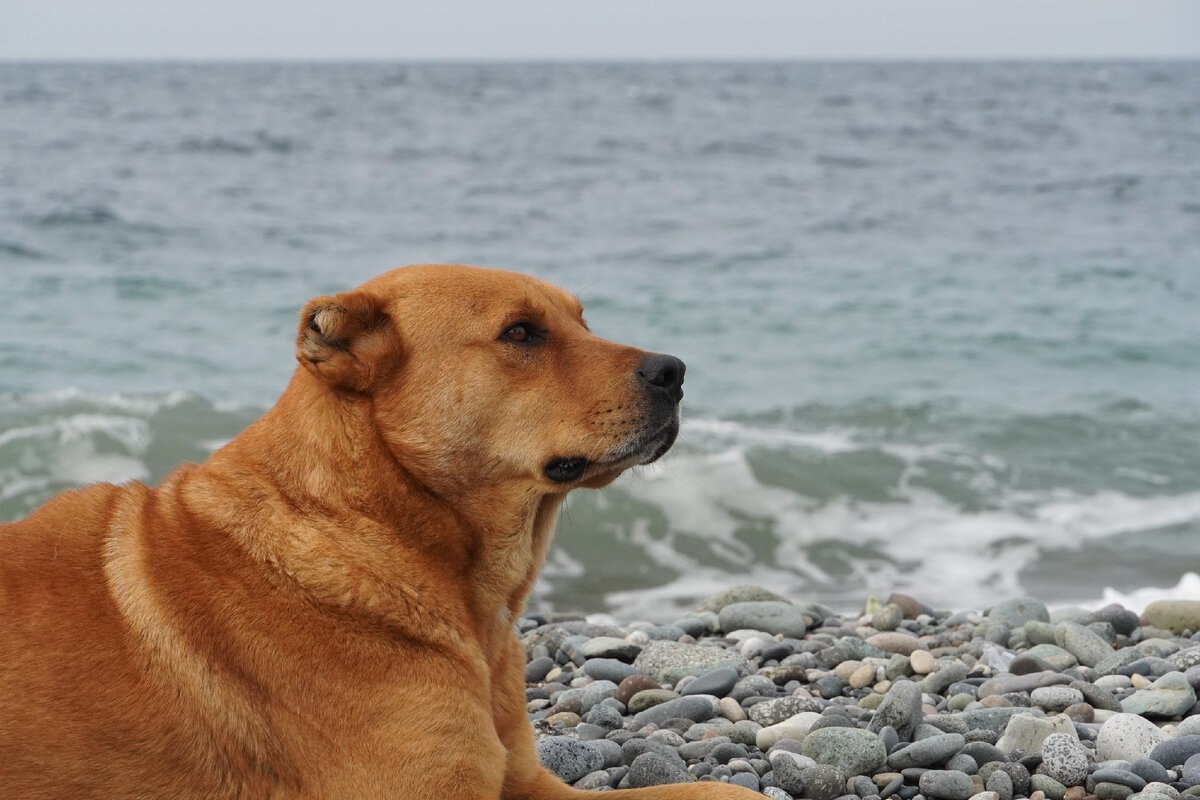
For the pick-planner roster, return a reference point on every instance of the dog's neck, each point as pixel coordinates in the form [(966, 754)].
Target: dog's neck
[(329, 507)]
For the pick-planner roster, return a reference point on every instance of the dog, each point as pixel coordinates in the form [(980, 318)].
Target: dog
[(325, 607)]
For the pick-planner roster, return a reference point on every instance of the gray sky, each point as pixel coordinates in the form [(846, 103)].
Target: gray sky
[(597, 29)]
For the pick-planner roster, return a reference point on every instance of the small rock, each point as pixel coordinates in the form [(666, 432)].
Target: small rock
[(1174, 752), (900, 709), (1083, 643), (633, 684), (1127, 737), (667, 662), (718, 683), (607, 669), (946, 784), (656, 769), (894, 642), (922, 662), (1176, 616), (771, 712), (1122, 776), (567, 758), (649, 698), (1169, 696), (737, 594), (852, 750), (1027, 732), (1055, 698), (773, 617), (823, 782), (1016, 611), (795, 727), (1064, 759), (610, 647), (1046, 786), (927, 752), (697, 707)]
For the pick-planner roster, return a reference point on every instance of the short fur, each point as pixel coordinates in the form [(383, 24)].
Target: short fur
[(324, 608)]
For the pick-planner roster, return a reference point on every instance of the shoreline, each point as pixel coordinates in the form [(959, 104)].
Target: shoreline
[(794, 700)]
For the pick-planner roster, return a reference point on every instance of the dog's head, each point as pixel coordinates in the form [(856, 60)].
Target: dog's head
[(483, 376)]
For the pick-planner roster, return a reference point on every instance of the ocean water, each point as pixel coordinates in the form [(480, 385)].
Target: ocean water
[(942, 321)]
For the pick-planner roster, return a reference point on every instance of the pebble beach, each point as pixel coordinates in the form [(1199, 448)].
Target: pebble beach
[(792, 700)]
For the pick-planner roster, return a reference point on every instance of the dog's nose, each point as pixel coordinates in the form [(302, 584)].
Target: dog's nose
[(663, 372)]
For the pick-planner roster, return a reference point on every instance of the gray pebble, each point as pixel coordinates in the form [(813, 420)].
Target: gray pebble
[(851, 750), (1049, 786), (1149, 770), (696, 707), (717, 683), (946, 784), (927, 752), (823, 782), (1065, 759), (655, 769), (900, 709), (1121, 776), (567, 758), (1000, 783), (1174, 752), (607, 669)]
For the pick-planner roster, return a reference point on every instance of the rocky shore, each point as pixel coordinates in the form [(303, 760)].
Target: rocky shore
[(901, 701)]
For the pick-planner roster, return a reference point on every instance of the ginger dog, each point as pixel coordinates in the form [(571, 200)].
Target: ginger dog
[(324, 608)]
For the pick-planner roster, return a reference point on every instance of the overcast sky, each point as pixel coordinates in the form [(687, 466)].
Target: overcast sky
[(597, 29)]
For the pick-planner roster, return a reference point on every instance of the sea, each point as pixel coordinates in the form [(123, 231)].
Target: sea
[(941, 320)]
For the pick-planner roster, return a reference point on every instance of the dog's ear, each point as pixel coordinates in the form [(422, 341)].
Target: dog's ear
[(347, 340)]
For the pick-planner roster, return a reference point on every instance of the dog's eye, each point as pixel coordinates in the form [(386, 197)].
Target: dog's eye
[(522, 333)]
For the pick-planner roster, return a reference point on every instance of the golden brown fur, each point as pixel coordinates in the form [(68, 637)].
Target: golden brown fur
[(324, 608)]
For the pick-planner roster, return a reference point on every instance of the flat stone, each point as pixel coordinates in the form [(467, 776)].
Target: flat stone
[(1122, 776), (568, 758), (900, 709), (1127, 737), (610, 647), (1169, 696), (1028, 732), (1176, 616), (607, 669), (656, 769), (1007, 684), (718, 683), (737, 594), (773, 617), (852, 751), (1065, 759), (938, 680), (628, 687), (946, 784), (1096, 696), (697, 707), (1058, 658), (894, 642), (927, 752), (668, 662)]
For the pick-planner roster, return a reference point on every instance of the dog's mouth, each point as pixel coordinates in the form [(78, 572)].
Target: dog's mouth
[(644, 450)]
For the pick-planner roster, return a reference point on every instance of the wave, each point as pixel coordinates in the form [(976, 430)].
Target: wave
[(821, 502)]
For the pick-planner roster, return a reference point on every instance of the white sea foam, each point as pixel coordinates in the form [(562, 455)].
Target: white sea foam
[(1188, 588)]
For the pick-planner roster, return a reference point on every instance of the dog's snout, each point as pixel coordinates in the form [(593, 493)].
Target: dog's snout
[(663, 372)]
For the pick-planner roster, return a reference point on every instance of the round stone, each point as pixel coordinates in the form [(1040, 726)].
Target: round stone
[(656, 769), (1016, 611), (1055, 698), (633, 684), (946, 784), (567, 758), (823, 782), (1176, 616), (1065, 759), (607, 669), (1127, 737)]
